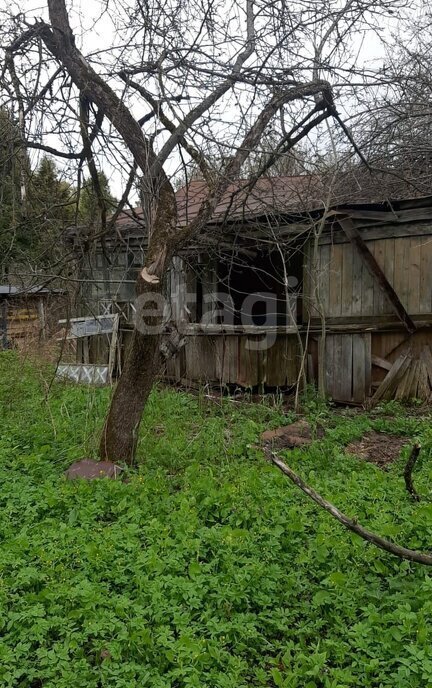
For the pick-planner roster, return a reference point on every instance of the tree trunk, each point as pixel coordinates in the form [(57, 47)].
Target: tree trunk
[(143, 359), (142, 366)]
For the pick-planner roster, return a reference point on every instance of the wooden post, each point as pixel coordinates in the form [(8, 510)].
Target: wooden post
[(3, 324), (370, 262), (113, 347), (42, 318), (86, 350)]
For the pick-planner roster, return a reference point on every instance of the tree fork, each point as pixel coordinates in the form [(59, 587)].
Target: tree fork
[(142, 364)]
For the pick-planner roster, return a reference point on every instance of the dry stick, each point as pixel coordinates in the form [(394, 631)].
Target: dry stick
[(412, 459), (382, 543)]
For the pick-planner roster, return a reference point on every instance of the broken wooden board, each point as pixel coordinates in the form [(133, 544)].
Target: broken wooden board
[(388, 385), (381, 362), (410, 377), (426, 357)]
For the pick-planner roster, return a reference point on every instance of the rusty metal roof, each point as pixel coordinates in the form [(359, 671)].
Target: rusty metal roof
[(241, 200), (276, 197)]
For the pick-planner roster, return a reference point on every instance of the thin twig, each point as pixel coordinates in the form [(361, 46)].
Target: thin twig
[(377, 540), (412, 460)]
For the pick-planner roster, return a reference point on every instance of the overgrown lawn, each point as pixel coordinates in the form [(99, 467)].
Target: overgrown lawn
[(207, 568)]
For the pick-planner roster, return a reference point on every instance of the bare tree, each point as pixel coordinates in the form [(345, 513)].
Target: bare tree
[(179, 79), (398, 134)]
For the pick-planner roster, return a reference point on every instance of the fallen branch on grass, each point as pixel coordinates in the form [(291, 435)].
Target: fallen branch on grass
[(382, 543), (412, 459)]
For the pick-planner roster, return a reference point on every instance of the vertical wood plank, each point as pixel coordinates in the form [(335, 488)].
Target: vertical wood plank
[(425, 304), (248, 363), (276, 362), (308, 306), (367, 290), (337, 367), (292, 359), (368, 363), (357, 274), (347, 280), (414, 276), (219, 347), (329, 364), (362, 366), (230, 359), (86, 350), (399, 269), (262, 363), (205, 358), (406, 265), (324, 282), (346, 368), (335, 305), (388, 271), (378, 250), (359, 368)]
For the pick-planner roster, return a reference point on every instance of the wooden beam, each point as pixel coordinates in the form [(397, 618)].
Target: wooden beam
[(410, 215), (370, 262), (381, 362), (371, 232)]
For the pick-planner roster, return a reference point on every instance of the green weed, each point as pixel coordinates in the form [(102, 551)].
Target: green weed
[(207, 569)]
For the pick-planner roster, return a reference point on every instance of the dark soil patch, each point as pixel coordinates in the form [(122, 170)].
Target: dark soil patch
[(379, 448)]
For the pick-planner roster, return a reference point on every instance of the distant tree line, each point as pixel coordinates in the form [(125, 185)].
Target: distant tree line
[(38, 204)]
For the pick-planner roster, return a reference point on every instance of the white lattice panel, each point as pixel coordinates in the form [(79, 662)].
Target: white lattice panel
[(88, 374)]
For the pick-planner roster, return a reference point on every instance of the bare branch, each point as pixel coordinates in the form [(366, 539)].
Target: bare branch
[(409, 467), (351, 524)]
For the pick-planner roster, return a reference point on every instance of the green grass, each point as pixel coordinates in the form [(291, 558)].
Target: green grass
[(207, 568)]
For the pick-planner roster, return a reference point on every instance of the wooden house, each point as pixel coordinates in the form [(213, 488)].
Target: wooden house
[(24, 313), (278, 288)]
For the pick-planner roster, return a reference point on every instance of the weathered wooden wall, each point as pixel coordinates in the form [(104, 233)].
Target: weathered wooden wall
[(228, 359), (24, 318), (348, 367), (361, 344), (356, 310), (348, 290)]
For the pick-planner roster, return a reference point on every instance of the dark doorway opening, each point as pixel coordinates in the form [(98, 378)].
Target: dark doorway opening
[(255, 290)]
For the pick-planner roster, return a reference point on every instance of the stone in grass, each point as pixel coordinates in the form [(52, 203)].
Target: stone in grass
[(88, 469), (297, 434)]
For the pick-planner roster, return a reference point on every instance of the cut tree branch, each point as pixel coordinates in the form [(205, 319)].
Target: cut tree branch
[(351, 524)]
